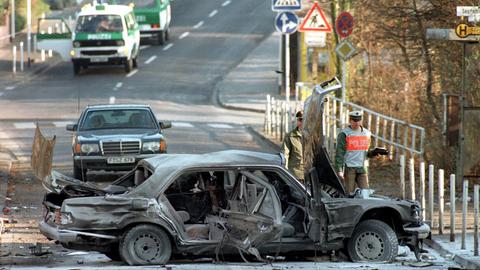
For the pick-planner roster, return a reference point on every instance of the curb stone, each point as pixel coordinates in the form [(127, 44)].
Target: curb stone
[(464, 262)]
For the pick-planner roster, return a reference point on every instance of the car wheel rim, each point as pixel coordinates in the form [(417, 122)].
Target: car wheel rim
[(370, 246), (147, 247)]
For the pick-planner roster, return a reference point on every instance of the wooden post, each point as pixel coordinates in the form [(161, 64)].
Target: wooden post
[(464, 212), (452, 207), (412, 178), (267, 113), (475, 218), (431, 172), (441, 176), (422, 188), (402, 175), (392, 139), (377, 129)]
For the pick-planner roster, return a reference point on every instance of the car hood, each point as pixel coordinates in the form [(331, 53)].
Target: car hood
[(314, 153), (111, 134)]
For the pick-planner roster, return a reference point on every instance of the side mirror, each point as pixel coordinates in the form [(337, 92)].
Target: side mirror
[(165, 124), (72, 127)]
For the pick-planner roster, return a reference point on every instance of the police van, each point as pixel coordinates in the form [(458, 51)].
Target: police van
[(104, 35), (153, 17)]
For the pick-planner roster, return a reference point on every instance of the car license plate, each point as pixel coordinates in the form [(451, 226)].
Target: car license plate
[(99, 60), (120, 160)]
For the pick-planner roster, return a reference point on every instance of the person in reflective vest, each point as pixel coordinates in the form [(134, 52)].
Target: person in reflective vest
[(292, 148), (353, 149)]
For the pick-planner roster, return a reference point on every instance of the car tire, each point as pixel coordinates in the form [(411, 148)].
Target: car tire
[(76, 68), (161, 38), (128, 65), (79, 173), (135, 62), (145, 245), (373, 240), (167, 34)]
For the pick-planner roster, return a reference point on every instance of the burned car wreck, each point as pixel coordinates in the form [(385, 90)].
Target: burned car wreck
[(227, 202)]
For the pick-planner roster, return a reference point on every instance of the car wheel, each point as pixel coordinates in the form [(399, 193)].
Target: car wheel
[(128, 65), (161, 37), (135, 62), (79, 173), (76, 68), (373, 240), (144, 245), (167, 34)]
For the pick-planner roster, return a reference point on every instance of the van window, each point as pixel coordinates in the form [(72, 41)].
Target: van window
[(130, 19), (138, 3), (99, 24)]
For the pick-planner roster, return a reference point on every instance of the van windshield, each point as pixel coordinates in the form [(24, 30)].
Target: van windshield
[(138, 3), (99, 24)]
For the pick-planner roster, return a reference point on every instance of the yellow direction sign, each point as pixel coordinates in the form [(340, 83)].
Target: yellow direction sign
[(463, 30), (345, 49)]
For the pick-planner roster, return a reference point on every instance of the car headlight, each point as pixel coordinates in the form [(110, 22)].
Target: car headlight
[(415, 212), (120, 43), (90, 148), (151, 146), (76, 44)]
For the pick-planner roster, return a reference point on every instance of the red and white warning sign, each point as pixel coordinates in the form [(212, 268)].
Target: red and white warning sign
[(315, 20)]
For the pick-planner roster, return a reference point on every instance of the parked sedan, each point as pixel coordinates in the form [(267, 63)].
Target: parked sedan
[(115, 138), (223, 203)]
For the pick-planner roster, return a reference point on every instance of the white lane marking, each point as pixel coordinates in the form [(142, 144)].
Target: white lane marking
[(131, 73), (226, 3), (151, 59), (118, 85), (184, 35), (196, 26), (9, 88), (168, 46), (182, 124), (1, 94), (111, 100), (220, 126), (62, 123), (144, 47), (24, 125), (213, 13)]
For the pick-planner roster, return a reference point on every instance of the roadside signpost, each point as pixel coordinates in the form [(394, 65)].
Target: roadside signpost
[(315, 20), (344, 24), (286, 22), (345, 49), (286, 5), (466, 35)]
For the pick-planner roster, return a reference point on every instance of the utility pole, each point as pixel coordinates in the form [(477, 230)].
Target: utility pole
[(29, 31), (12, 20)]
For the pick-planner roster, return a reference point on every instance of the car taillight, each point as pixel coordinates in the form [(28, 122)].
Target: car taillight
[(155, 25)]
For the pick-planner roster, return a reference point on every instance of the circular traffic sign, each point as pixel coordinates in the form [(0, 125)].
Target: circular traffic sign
[(344, 24), (286, 22)]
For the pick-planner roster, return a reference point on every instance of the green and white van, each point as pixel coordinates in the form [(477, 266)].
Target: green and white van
[(104, 35), (153, 16)]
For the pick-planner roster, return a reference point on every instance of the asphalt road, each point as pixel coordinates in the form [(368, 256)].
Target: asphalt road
[(208, 39)]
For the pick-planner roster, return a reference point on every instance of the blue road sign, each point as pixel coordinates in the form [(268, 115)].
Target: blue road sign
[(282, 5), (286, 22)]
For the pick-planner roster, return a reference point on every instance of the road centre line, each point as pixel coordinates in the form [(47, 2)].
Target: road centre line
[(168, 46), (182, 124), (144, 47), (131, 73), (118, 85), (213, 13), (226, 3), (184, 35), (151, 59), (111, 100), (8, 88), (196, 26), (62, 123)]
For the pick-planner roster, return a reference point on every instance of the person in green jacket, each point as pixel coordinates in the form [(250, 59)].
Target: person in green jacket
[(292, 148)]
